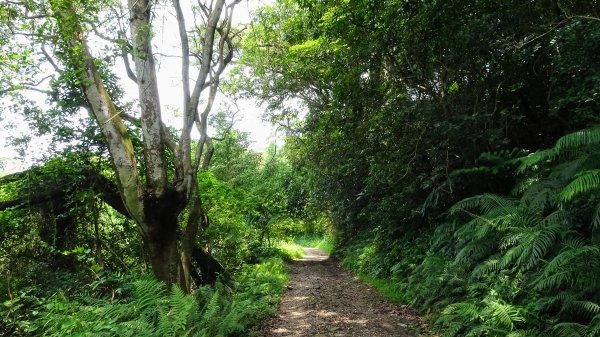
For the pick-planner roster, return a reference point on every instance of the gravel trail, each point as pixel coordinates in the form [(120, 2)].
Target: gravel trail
[(324, 300)]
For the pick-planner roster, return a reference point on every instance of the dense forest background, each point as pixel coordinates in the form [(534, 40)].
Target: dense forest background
[(450, 147), (453, 144)]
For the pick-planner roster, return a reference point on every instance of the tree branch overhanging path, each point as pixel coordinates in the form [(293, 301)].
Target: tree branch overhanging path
[(156, 181)]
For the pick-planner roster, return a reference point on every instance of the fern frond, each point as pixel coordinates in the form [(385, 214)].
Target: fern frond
[(524, 185), (527, 333), (536, 158), (562, 269), (512, 238), (138, 327), (175, 313), (540, 245), (484, 203), (452, 329), (595, 326), (584, 182), (541, 195), (574, 243), (527, 246), (504, 314), (230, 324), (556, 218), (490, 266), (211, 312), (486, 330), (466, 311), (148, 292), (564, 172), (515, 256), (584, 308), (585, 137), (546, 303), (473, 251), (569, 329)]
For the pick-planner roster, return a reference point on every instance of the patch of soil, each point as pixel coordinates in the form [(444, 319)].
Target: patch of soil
[(324, 300)]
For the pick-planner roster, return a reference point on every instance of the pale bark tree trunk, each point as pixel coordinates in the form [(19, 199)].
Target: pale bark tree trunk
[(154, 152), (153, 202)]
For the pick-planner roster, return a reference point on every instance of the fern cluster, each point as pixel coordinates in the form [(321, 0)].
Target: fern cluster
[(524, 264), (153, 310)]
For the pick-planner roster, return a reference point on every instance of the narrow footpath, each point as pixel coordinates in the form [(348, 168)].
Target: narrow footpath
[(324, 300)]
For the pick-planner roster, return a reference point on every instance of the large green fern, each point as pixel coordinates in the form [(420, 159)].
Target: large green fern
[(534, 247), (585, 181), (155, 311), (579, 139)]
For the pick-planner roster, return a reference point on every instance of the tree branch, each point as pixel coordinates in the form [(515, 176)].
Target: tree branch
[(49, 58), (202, 124), (169, 141), (145, 69), (184, 155), (117, 138), (105, 188), (125, 56)]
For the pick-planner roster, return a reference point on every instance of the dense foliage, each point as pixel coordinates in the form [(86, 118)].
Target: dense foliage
[(70, 260), (441, 139), (450, 146), (144, 307)]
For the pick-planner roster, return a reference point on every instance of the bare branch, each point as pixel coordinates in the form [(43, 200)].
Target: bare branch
[(210, 149), (169, 141), (231, 123), (102, 35), (94, 181), (585, 17), (130, 74), (48, 57), (185, 54), (233, 4), (32, 35), (184, 155), (202, 124), (204, 8), (33, 86), (125, 51), (207, 52), (571, 16)]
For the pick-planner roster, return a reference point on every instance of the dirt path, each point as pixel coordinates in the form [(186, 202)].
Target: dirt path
[(324, 300)]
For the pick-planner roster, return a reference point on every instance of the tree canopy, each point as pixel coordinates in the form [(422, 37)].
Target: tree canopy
[(440, 137)]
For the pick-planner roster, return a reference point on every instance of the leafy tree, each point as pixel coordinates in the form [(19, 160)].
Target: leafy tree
[(405, 102), (157, 180)]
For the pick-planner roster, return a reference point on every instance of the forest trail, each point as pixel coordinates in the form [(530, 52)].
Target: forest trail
[(324, 300)]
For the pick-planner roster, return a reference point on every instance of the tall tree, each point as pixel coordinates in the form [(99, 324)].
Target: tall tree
[(157, 181)]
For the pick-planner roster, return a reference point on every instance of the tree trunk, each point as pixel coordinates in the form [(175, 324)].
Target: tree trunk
[(162, 238), (165, 260)]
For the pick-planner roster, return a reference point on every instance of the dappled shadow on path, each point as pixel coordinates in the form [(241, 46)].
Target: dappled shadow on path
[(322, 299)]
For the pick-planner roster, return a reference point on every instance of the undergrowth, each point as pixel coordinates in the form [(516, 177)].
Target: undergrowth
[(290, 250), (324, 242), (523, 264), (148, 308)]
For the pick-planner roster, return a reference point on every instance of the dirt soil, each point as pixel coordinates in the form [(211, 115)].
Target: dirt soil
[(324, 300)]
